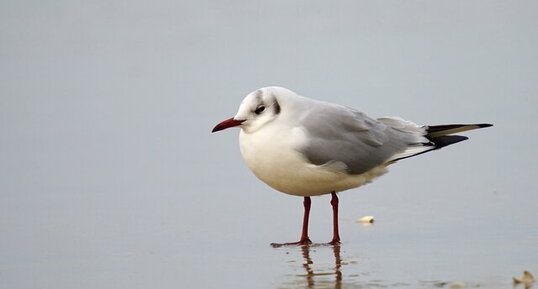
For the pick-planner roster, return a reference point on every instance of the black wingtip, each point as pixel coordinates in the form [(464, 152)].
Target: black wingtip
[(482, 125), (446, 140)]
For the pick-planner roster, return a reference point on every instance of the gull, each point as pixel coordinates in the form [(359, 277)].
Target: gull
[(305, 147)]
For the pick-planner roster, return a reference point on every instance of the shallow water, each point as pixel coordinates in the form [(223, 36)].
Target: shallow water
[(149, 240)]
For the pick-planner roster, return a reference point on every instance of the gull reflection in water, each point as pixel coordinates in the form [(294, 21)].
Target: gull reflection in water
[(321, 268)]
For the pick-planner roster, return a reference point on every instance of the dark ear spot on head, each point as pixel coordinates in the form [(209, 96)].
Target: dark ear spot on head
[(277, 107)]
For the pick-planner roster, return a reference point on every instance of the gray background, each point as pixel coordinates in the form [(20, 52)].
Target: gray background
[(110, 178)]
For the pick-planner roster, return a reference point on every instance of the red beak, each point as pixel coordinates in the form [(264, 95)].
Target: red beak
[(231, 122)]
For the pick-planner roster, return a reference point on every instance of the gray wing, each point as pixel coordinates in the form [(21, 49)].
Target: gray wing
[(346, 139)]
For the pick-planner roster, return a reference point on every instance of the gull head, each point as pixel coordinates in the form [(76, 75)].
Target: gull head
[(258, 109)]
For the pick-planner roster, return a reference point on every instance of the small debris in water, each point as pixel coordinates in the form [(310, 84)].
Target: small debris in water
[(457, 285), (527, 280), (366, 220)]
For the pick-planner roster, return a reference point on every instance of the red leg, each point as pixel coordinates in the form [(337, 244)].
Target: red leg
[(304, 234), (336, 235)]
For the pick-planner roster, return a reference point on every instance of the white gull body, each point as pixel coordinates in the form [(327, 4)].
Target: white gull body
[(274, 144)]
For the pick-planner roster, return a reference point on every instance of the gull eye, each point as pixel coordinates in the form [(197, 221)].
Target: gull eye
[(259, 109)]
